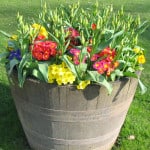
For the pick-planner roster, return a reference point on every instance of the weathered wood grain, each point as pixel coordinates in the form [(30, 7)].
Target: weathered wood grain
[(64, 118)]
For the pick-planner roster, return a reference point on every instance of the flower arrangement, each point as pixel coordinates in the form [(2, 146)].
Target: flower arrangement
[(72, 45)]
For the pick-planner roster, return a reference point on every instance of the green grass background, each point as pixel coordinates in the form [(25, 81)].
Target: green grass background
[(138, 119)]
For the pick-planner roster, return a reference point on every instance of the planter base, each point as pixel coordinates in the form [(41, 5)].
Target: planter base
[(63, 118)]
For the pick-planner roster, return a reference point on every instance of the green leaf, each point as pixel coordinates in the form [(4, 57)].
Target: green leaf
[(69, 64), (43, 68), (83, 54), (36, 73), (131, 69), (98, 78), (67, 44), (25, 59), (103, 45), (118, 73), (6, 34), (113, 76), (118, 34), (12, 64), (55, 38), (142, 27), (24, 75), (130, 74), (67, 23), (142, 87), (80, 69)]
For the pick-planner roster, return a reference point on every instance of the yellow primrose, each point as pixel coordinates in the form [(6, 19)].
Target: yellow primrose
[(137, 50), (59, 81), (141, 59), (50, 78), (64, 80), (42, 31), (83, 84), (14, 37), (61, 73)]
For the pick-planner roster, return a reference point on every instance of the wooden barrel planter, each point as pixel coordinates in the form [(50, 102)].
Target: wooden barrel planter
[(64, 118)]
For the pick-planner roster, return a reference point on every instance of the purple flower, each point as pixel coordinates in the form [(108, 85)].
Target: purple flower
[(15, 54)]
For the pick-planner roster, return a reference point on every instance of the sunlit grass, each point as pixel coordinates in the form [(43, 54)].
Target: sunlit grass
[(137, 122)]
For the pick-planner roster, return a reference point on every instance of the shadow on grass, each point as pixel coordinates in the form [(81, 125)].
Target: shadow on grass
[(11, 133)]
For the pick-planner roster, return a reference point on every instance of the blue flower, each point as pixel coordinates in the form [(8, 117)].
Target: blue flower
[(15, 54)]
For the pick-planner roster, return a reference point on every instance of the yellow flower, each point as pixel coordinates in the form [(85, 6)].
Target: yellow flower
[(54, 69), (141, 59), (50, 80), (136, 50), (14, 37), (61, 73), (40, 29), (59, 81), (83, 84)]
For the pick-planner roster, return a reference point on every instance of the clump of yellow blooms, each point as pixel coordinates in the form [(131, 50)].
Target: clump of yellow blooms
[(83, 84), (61, 74), (141, 58), (14, 37), (42, 31), (137, 50)]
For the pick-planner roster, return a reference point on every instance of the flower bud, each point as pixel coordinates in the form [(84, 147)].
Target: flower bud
[(82, 38), (138, 20), (98, 23)]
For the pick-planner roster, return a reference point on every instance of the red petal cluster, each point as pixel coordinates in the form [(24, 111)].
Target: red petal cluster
[(76, 53), (43, 50), (106, 63), (73, 32), (93, 26), (40, 37)]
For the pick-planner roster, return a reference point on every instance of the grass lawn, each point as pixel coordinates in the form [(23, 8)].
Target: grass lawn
[(138, 120)]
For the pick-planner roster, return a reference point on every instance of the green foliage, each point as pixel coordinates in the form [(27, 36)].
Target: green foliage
[(96, 77), (43, 68), (111, 37)]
